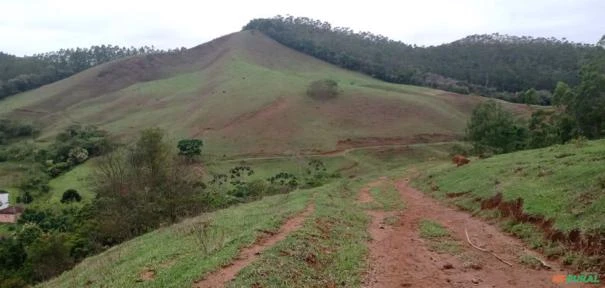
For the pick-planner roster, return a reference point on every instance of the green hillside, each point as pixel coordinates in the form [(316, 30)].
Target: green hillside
[(176, 256), (244, 94), (175, 253)]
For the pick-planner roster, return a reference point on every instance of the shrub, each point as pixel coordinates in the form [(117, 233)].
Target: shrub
[(316, 174), (458, 149), (491, 127), (10, 129), (77, 155), (190, 148), (239, 174), (218, 179), (3, 156), (284, 179), (250, 190), (71, 195), (257, 188), (70, 144), (35, 181), (56, 169), (29, 233), (20, 152), (323, 89), (26, 198), (49, 256), (579, 141), (51, 219)]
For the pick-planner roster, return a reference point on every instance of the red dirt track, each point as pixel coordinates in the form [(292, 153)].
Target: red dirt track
[(399, 257), (248, 255)]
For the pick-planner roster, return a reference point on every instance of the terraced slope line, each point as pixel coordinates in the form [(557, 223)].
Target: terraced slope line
[(400, 257), (248, 255)]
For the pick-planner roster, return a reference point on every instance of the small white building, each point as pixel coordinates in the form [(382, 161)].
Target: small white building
[(4, 200), (8, 214)]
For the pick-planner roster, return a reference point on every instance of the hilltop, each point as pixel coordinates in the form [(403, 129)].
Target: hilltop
[(244, 93)]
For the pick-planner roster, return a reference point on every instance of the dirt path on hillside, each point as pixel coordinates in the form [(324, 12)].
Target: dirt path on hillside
[(333, 153), (399, 257), (221, 277)]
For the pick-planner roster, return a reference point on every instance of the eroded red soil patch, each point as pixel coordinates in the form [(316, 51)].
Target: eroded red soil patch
[(247, 255), (591, 244), (147, 275)]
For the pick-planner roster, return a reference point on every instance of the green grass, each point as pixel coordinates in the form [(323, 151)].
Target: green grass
[(10, 174), (4, 229), (391, 220), (438, 237), (176, 254), (329, 250), (392, 158), (526, 232), (563, 182), (78, 178), (387, 197), (530, 261), (265, 168), (430, 229)]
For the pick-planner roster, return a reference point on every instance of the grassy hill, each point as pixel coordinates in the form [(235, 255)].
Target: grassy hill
[(175, 257), (178, 255), (244, 94)]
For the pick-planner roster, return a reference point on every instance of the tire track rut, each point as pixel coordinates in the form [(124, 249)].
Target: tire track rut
[(247, 255)]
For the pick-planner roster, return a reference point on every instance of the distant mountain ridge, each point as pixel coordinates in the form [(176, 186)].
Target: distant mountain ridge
[(496, 38), (19, 74)]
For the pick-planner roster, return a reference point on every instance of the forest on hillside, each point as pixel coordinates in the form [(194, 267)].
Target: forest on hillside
[(494, 65), (19, 74)]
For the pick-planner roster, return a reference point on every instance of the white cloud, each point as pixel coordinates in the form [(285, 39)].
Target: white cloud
[(31, 26)]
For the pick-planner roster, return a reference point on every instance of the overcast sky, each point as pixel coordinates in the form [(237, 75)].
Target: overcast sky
[(32, 26)]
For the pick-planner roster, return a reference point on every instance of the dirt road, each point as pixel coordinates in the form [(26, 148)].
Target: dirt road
[(400, 257), (221, 277)]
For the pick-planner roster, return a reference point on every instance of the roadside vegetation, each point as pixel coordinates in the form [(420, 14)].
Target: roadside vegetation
[(41, 163), (328, 251), (180, 254), (385, 197), (438, 238), (132, 190), (578, 115), (551, 197)]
